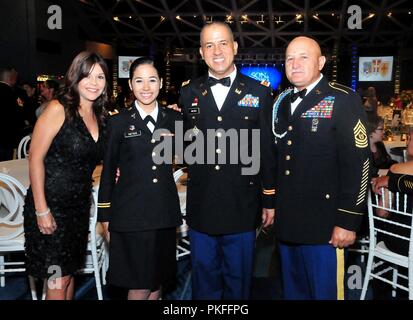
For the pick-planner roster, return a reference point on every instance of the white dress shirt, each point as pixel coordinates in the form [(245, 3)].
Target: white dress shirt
[(309, 88), (143, 114), (220, 91)]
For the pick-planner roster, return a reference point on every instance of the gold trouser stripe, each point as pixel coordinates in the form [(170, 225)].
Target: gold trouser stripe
[(340, 273), (268, 192)]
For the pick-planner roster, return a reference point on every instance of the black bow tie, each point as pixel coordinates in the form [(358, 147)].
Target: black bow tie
[(295, 95), (224, 81), (149, 119)]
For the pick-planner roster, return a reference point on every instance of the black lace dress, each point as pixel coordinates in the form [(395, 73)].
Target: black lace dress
[(69, 165)]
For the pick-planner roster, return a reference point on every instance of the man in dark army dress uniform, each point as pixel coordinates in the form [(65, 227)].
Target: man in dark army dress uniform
[(224, 203), (322, 174)]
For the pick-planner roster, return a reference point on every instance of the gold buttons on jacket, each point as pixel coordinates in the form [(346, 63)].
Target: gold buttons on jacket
[(153, 141), (287, 172), (219, 134), (246, 118), (289, 142), (217, 167), (219, 118), (287, 157), (327, 196), (153, 154), (290, 128), (155, 180), (218, 151), (153, 167)]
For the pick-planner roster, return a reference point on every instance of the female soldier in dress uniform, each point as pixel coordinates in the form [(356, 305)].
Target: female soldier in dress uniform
[(140, 208)]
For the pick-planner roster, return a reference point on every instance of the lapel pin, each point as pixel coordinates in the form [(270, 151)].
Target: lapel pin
[(204, 93), (133, 115), (318, 91), (131, 127), (238, 91)]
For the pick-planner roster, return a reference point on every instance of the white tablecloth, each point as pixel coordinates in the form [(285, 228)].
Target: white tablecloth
[(19, 169), (395, 144)]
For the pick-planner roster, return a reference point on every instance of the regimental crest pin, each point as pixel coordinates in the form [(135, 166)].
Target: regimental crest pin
[(195, 130), (131, 127)]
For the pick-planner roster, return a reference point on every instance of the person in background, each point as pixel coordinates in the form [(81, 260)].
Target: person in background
[(48, 91), (31, 103), (380, 158), (67, 144), (321, 177), (371, 103), (140, 206), (398, 179), (10, 125)]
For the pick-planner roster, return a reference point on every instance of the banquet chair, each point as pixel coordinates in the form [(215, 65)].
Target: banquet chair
[(182, 246), (23, 148), (97, 258), (12, 195), (381, 260), (361, 246)]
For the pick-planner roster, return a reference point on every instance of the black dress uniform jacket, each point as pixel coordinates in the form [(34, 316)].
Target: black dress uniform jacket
[(145, 196), (323, 164), (220, 199)]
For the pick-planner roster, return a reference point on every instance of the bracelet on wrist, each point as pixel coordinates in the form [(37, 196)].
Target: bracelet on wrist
[(44, 213)]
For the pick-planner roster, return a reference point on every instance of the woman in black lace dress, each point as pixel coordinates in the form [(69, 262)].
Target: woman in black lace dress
[(67, 143)]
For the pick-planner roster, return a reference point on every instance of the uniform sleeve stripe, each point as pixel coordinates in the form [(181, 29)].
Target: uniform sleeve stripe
[(352, 212)]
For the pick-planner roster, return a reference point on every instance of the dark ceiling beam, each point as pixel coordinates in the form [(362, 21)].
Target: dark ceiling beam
[(379, 13), (320, 5), (249, 4), (219, 5), (372, 5), (189, 24), (88, 6), (292, 4), (150, 6), (200, 9), (179, 5), (171, 15), (141, 21), (238, 23), (108, 17), (397, 22), (271, 21), (395, 4), (88, 26), (341, 23), (306, 14)]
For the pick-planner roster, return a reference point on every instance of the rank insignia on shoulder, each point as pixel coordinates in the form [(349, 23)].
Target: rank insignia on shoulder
[(265, 83), (360, 135), (185, 83), (112, 113)]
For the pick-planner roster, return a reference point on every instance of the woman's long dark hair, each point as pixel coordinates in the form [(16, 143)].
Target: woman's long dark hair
[(69, 95)]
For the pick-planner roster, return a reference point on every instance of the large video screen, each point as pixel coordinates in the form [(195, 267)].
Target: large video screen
[(124, 63), (375, 68), (269, 73)]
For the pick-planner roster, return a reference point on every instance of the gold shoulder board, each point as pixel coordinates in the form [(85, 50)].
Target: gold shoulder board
[(340, 87), (112, 113), (185, 83)]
